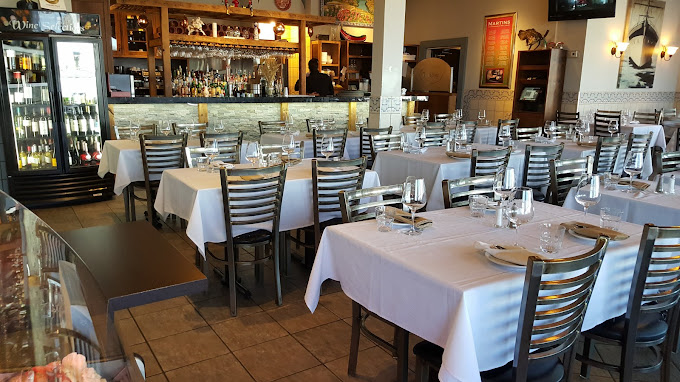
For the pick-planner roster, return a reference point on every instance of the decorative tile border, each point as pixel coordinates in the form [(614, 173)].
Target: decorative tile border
[(485, 95), (623, 96), (570, 98)]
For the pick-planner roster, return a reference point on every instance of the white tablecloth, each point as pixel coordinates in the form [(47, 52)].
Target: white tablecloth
[(658, 134), (351, 146), (484, 134), (197, 197), (440, 288), (434, 166), (123, 157), (671, 130), (642, 208)]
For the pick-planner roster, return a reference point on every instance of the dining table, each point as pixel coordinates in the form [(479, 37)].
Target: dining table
[(434, 166), (438, 286), (484, 134), (197, 197), (351, 145)]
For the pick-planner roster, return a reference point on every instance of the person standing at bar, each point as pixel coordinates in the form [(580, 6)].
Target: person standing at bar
[(318, 84)]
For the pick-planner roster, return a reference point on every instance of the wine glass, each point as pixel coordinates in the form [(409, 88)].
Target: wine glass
[(588, 191), (461, 137), (421, 135), (504, 134), (613, 127), (414, 197), (165, 127), (134, 131), (504, 184), (521, 210), (220, 128), (550, 128), (253, 152), (633, 165), (288, 146), (212, 149), (327, 148), (289, 122), (580, 128), (425, 116), (481, 115)]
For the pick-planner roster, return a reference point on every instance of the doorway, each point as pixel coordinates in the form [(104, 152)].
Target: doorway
[(454, 52)]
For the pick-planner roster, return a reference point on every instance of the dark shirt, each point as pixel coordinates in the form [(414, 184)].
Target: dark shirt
[(318, 82)]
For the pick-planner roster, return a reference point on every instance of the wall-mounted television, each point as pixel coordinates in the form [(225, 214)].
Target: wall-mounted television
[(580, 9)]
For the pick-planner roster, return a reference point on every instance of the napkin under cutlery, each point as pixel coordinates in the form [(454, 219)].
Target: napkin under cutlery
[(458, 154), (638, 185), (593, 231), (508, 253), (405, 217)]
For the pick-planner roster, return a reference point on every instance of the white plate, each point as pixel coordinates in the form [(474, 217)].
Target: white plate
[(504, 263), (573, 233)]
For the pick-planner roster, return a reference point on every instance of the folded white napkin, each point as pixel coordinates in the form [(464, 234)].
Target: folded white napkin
[(510, 253)]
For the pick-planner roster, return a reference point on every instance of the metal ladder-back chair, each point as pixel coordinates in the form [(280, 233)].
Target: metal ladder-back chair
[(435, 137), (527, 134), (512, 123), (606, 154), (315, 123), (229, 145), (566, 118), (488, 162), (665, 162), (411, 120), (352, 211), (638, 142), (383, 142), (537, 167), (651, 316), (470, 130), (456, 191), (267, 127), (278, 148), (667, 114), (159, 153), (69, 341), (339, 139), (52, 248), (252, 196), (442, 117), (192, 130), (601, 122), (564, 174), (365, 140), (554, 302), (646, 117), (124, 132)]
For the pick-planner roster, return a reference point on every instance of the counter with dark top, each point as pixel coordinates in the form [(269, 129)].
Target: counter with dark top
[(289, 99)]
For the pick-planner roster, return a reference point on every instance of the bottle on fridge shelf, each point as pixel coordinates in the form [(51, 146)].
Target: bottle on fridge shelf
[(97, 154), (85, 156), (42, 124), (53, 157), (19, 125), (95, 127), (82, 122), (28, 91), (35, 126), (47, 156), (67, 123), (74, 123), (29, 158), (50, 126), (37, 156), (73, 156), (19, 93), (27, 125), (23, 158), (90, 121)]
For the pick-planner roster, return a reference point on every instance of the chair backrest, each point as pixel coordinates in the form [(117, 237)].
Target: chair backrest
[(271, 126), (52, 248), (252, 196), (639, 142), (564, 174), (457, 191), (525, 134), (193, 130), (191, 154), (537, 164), (352, 208), (488, 162), (72, 341), (384, 142), (339, 139), (278, 148), (554, 302), (512, 123), (602, 120), (229, 144), (566, 118), (328, 179), (609, 113), (365, 138), (314, 123), (562, 130), (667, 114), (411, 120), (160, 153), (606, 154), (123, 132), (665, 162), (646, 117), (435, 137), (442, 117), (470, 130)]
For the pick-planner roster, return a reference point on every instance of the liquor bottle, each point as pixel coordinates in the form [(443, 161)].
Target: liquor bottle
[(85, 156), (35, 126), (82, 122), (42, 124)]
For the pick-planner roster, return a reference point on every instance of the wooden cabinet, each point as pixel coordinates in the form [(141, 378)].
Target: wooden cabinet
[(538, 86), (101, 8), (357, 57), (330, 50), (130, 38)]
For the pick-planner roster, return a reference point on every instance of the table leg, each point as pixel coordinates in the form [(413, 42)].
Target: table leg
[(126, 200), (402, 354)]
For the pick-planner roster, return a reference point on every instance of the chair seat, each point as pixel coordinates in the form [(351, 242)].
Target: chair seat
[(543, 370), (651, 327), (255, 237)]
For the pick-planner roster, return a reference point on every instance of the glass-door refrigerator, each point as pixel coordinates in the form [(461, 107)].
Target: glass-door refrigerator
[(54, 112)]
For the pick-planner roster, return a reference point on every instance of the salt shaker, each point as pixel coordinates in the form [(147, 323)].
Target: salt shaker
[(671, 188)]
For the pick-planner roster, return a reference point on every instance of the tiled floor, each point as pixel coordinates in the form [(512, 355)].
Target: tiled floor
[(194, 338)]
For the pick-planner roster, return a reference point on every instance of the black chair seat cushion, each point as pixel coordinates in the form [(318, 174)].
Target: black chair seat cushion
[(254, 237), (543, 370), (651, 327)]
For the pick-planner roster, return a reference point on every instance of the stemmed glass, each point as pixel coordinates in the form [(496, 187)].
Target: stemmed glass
[(253, 152), (414, 197), (425, 116), (289, 122), (588, 191), (504, 184), (212, 149), (613, 127), (504, 134), (633, 165), (481, 115), (134, 131), (288, 146), (421, 135), (521, 210), (165, 127), (220, 128), (327, 148), (550, 128), (580, 128), (461, 137)]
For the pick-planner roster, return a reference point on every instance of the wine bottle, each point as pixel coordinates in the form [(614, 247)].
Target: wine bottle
[(27, 125), (50, 126), (29, 158), (90, 121), (82, 122), (97, 154), (28, 90), (53, 157), (67, 123), (23, 158), (19, 93), (35, 126), (42, 124), (84, 154), (74, 123), (37, 155), (47, 155), (19, 125), (96, 127)]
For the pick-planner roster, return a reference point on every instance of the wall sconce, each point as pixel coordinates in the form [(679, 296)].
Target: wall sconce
[(279, 30), (143, 21), (668, 51), (310, 31), (619, 47)]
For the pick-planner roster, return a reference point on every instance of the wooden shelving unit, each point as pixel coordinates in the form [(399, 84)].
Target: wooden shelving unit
[(357, 57), (332, 48), (541, 72)]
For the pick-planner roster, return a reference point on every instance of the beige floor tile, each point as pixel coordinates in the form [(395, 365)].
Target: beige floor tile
[(219, 369), (316, 374), (338, 303), (276, 359), (330, 342), (296, 317), (158, 306), (187, 348), (66, 226), (373, 365), (217, 309), (129, 332), (168, 322), (246, 331), (151, 366)]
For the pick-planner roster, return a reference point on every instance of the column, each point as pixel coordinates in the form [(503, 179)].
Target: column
[(388, 47)]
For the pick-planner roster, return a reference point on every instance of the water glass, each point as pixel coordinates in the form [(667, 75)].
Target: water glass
[(609, 183), (551, 237), (610, 218), (384, 222), (202, 164), (478, 205)]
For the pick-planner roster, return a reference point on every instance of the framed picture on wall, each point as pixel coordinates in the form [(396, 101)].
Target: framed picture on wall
[(498, 50), (357, 13), (54, 5)]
